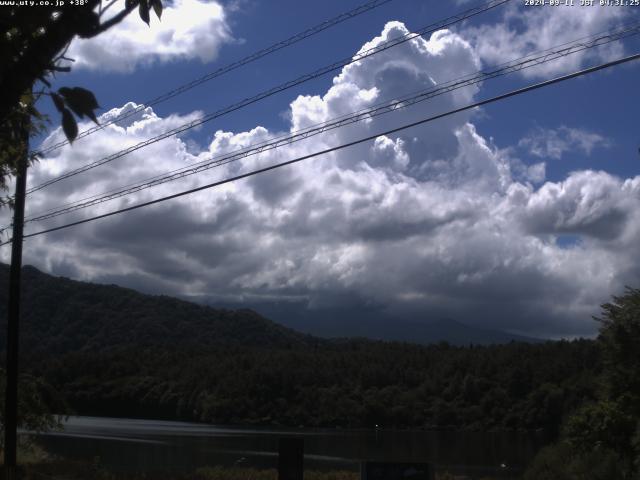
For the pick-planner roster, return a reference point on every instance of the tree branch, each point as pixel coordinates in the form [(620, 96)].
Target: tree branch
[(114, 20), (109, 5)]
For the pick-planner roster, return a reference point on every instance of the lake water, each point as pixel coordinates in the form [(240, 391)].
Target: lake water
[(148, 445)]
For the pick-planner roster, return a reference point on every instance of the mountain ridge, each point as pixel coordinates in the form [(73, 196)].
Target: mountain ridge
[(60, 314), (332, 323)]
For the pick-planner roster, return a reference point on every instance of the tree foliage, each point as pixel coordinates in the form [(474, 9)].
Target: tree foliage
[(355, 383), (33, 44), (22, 122), (620, 340), (37, 404), (608, 428), (561, 462)]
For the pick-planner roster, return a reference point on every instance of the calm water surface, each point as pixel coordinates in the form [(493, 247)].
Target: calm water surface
[(148, 445)]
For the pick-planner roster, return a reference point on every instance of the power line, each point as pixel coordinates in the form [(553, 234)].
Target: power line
[(285, 86), (528, 61), (230, 67), (304, 78), (512, 93), (531, 60)]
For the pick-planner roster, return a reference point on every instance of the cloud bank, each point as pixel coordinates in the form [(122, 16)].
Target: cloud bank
[(432, 222)]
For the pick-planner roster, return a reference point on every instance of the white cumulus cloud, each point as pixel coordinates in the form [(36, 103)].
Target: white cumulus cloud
[(555, 142), (189, 29), (525, 30)]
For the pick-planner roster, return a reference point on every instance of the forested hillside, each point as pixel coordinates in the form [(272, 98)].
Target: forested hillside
[(350, 384), (113, 351), (61, 315)]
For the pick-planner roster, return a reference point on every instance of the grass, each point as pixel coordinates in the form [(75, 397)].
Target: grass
[(68, 470), (28, 453), (36, 464), (65, 470)]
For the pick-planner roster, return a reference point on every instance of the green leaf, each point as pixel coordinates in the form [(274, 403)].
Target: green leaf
[(34, 112), (157, 7), (69, 125), (58, 101), (144, 11), (81, 101), (87, 24), (44, 80)]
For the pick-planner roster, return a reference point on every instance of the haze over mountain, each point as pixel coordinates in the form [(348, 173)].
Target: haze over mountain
[(370, 323), (60, 315)]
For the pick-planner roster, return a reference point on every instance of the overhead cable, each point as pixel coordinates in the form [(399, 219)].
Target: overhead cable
[(280, 88), (497, 98), (406, 101), (227, 68)]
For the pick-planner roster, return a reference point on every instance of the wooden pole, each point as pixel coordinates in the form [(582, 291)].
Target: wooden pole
[(290, 459), (13, 318)]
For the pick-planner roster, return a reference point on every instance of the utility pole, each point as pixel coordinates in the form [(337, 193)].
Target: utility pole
[(13, 318)]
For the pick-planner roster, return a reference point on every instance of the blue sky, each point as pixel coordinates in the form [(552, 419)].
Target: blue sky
[(525, 211), (596, 104)]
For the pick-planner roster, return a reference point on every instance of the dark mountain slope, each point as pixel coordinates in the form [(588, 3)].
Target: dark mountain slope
[(61, 315), (113, 351)]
